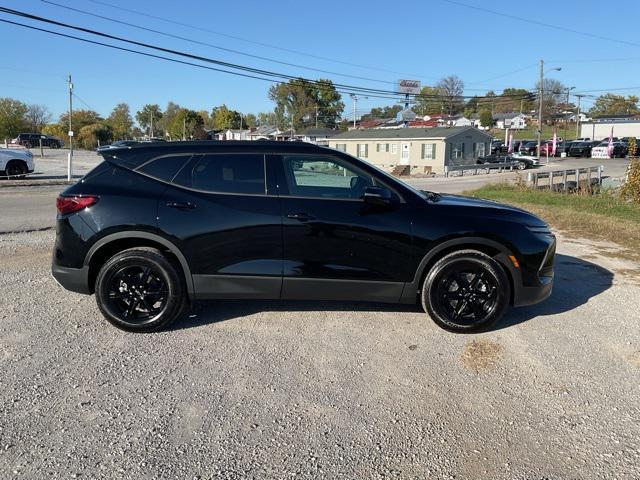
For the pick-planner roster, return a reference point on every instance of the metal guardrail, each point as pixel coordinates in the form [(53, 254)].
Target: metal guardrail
[(571, 178), (486, 167)]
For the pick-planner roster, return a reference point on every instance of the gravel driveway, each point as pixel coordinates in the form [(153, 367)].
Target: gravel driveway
[(319, 390)]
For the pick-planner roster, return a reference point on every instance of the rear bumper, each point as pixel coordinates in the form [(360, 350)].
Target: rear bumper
[(73, 279)]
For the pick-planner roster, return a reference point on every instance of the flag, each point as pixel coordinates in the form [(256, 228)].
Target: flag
[(510, 149), (554, 144), (610, 146)]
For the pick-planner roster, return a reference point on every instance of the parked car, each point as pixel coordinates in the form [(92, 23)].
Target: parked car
[(529, 161), (497, 146), (118, 144), (581, 149), (31, 140), (565, 147), (620, 150), (529, 148), (156, 226), (15, 163), (500, 158)]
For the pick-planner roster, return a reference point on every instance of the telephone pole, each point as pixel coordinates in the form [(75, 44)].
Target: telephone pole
[(151, 126), (578, 116), (70, 156), (540, 93)]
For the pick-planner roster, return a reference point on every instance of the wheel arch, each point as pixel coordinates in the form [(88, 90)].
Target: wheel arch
[(493, 248), (111, 244)]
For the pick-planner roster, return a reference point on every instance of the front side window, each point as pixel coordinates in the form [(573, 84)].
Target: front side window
[(225, 173), (324, 177)]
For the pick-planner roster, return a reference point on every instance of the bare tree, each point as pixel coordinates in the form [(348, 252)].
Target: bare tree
[(36, 117), (451, 88)]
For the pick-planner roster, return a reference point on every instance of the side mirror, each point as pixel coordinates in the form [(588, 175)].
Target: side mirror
[(377, 196)]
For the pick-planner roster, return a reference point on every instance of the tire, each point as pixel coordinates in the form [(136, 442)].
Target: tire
[(464, 285), (521, 166), (130, 281), (15, 169)]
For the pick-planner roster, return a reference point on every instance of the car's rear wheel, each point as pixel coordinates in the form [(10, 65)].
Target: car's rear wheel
[(466, 291), (521, 165), (15, 169), (140, 290)]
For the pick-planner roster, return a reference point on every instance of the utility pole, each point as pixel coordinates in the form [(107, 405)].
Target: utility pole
[(316, 115), (578, 117), (70, 156), (184, 128), (540, 93), (355, 106), (151, 128)]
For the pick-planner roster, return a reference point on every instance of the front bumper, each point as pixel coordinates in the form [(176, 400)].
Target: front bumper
[(524, 296), (73, 279)]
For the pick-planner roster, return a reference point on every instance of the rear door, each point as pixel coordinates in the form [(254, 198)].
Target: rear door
[(219, 212), (336, 246)]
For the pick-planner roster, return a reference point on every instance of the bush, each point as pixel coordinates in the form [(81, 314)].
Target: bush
[(90, 135), (631, 188)]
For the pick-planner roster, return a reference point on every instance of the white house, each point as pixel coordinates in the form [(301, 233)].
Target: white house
[(319, 136), (235, 134), (514, 121)]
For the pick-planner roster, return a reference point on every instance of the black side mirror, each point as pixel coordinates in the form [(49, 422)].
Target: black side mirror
[(377, 196)]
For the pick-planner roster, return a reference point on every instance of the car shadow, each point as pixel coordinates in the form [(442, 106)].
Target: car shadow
[(575, 282)]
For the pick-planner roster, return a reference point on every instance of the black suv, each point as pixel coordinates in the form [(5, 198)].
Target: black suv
[(30, 140), (158, 225)]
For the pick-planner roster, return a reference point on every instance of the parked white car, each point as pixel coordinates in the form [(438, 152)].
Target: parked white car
[(15, 163)]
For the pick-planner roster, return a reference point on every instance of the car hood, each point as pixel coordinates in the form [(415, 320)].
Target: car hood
[(476, 207)]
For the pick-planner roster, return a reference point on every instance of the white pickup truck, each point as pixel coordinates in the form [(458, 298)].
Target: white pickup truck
[(15, 163)]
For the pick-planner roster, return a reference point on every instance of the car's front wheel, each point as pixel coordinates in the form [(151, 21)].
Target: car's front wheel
[(466, 291), (140, 290)]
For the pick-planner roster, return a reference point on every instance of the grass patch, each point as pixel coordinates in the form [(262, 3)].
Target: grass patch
[(531, 133), (600, 216)]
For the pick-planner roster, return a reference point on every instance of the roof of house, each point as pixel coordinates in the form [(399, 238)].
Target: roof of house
[(264, 130), (505, 116), (435, 132), (320, 132)]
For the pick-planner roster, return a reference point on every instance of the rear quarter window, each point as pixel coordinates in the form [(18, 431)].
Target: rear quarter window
[(165, 168)]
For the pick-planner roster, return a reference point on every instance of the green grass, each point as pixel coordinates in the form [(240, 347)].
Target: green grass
[(531, 133), (602, 216)]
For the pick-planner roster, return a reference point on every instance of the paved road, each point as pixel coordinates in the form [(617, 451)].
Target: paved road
[(31, 208), (318, 390)]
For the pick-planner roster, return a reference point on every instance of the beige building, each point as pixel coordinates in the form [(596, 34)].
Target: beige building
[(423, 150)]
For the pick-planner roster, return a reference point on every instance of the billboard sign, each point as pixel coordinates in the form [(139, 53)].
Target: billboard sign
[(411, 87)]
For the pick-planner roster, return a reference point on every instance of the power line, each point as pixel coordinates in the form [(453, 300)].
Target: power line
[(198, 42), (391, 95), (542, 24), (263, 44)]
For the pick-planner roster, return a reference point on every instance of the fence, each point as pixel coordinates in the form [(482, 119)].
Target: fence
[(482, 167), (571, 178)]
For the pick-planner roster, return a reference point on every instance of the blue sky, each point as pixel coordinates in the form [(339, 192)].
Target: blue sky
[(424, 40)]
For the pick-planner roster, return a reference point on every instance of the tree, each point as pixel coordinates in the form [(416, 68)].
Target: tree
[(554, 93), (451, 89), (515, 100), (36, 117), (611, 104), (120, 121), (486, 118), (79, 119), (266, 118), (250, 120), (225, 119), (12, 117), (429, 101), (90, 136), (186, 124), (169, 114), (389, 111), (147, 114), (298, 100)]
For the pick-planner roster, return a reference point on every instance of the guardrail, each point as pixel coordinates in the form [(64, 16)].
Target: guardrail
[(487, 167), (571, 178)]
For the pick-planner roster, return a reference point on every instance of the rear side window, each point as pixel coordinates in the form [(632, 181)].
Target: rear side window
[(165, 168), (225, 173)]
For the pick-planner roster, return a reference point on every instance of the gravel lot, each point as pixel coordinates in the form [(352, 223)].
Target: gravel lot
[(320, 390)]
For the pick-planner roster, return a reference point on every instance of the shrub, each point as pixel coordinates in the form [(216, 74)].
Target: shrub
[(631, 188)]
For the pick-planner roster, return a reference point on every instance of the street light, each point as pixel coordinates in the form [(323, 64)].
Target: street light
[(354, 97), (541, 93)]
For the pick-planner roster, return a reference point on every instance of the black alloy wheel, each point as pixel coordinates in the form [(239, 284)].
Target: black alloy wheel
[(140, 290), (466, 291)]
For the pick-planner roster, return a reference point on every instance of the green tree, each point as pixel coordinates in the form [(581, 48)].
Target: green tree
[(168, 116), (55, 130), (250, 120), (611, 104), (12, 117), (79, 119), (514, 100), (298, 100), (90, 136), (224, 119), (389, 111), (486, 118), (147, 114), (266, 118), (120, 121), (429, 101), (186, 124)]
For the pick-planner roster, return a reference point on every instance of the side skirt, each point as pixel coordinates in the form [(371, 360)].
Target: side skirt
[(346, 290)]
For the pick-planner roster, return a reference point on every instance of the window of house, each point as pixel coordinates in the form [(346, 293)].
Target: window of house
[(479, 149), (394, 148), (457, 151), (324, 176), (363, 150), (382, 147), (428, 151), (225, 174), (341, 146)]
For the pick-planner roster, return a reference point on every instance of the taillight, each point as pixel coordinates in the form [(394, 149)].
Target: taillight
[(75, 203)]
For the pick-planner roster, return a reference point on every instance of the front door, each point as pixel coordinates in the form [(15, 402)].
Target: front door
[(336, 246), (404, 157)]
